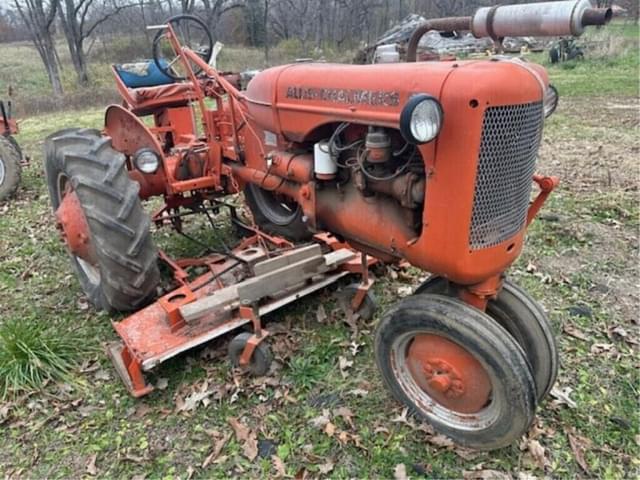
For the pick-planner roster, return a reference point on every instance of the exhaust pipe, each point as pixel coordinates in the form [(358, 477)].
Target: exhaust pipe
[(538, 19), (568, 17)]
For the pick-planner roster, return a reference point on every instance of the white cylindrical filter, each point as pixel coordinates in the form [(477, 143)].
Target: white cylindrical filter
[(324, 166)]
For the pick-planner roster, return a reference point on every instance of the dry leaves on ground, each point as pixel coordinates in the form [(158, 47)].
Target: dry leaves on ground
[(218, 445), (246, 437)]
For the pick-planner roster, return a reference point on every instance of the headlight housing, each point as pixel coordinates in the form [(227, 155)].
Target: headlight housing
[(550, 100), (146, 160), (421, 119)]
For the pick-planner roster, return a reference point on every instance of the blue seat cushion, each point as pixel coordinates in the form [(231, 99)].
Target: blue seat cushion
[(143, 74)]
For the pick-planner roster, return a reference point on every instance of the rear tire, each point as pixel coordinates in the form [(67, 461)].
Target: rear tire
[(15, 144), (275, 217), (119, 229), (10, 169), (524, 319), (511, 398)]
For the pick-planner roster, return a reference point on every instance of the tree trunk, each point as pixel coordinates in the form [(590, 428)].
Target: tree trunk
[(39, 20), (265, 21)]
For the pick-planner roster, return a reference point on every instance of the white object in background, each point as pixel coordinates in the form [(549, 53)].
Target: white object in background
[(324, 166), (214, 54), (387, 54)]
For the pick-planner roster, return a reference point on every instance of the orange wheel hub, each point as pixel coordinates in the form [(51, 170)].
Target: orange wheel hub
[(74, 228), (448, 373)]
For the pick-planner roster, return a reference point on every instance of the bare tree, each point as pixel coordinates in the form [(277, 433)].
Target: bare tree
[(214, 9), (79, 19), (39, 16)]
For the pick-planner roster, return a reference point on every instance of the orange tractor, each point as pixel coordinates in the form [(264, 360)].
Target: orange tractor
[(432, 163), (11, 159)]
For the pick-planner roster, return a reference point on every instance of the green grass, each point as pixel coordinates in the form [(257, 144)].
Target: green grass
[(32, 353), (612, 56), (582, 252)]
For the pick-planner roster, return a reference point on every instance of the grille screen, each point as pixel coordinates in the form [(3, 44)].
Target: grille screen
[(508, 149)]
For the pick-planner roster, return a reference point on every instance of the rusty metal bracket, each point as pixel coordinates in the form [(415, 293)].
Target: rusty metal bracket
[(547, 185), (129, 369), (251, 312)]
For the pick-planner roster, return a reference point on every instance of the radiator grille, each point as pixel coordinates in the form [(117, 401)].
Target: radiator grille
[(508, 149)]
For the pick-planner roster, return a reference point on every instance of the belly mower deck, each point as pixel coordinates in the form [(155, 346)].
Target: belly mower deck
[(257, 278)]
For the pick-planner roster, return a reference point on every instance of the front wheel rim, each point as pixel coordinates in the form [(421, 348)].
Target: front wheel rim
[(90, 271), (406, 361)]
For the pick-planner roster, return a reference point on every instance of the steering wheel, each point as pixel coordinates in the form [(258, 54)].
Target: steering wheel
[(191, 32)]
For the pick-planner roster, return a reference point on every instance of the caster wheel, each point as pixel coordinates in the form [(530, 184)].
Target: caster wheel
[(260, 360), (524, 319), (458, 369), (368, 306)]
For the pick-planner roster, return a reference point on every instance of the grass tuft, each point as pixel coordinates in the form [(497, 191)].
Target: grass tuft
[(31, 354)]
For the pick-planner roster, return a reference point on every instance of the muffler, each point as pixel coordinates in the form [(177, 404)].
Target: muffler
[(538, 19)]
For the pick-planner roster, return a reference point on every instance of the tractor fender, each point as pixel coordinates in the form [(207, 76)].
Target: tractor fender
[(128, 135)]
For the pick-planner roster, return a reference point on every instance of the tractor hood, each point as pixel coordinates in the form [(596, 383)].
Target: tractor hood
[(296, 100)]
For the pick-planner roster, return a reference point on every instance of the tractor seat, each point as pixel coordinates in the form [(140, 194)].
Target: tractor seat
[(164, 92), (146, 88)]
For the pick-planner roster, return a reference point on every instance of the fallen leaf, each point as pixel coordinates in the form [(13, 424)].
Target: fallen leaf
[(440, 441), (405, 291), (217, 448), (358, 392), (346, 414), (195, 398), (402, 418), (278, 465), (321, 314), (485, 475), (246, 437), (400, 472), (102, 375), (330, 429), (575, 332), (526, 476), (91, 465), (577, 447), (537, 452), (142, 409), (321, 420), (162, 383), (344, 364), (599, 348), (562, 396), (326, 467), (190, 472)]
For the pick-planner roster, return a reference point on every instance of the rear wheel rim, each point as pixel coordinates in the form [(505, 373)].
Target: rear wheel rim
[(410, 362), (277, 210)]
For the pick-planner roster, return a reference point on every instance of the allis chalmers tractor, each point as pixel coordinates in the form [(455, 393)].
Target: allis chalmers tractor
[(432, 163), (10, 153)]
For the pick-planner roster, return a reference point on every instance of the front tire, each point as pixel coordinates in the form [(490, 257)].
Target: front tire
[(10, 169), (124, 274), (518, 313), (458, 369)]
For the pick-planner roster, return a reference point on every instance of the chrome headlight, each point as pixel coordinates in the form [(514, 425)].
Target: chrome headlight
[(550, 100), (421, 119), (146, 160)]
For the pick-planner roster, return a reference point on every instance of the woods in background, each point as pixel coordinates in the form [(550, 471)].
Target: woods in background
[(313, 24)]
